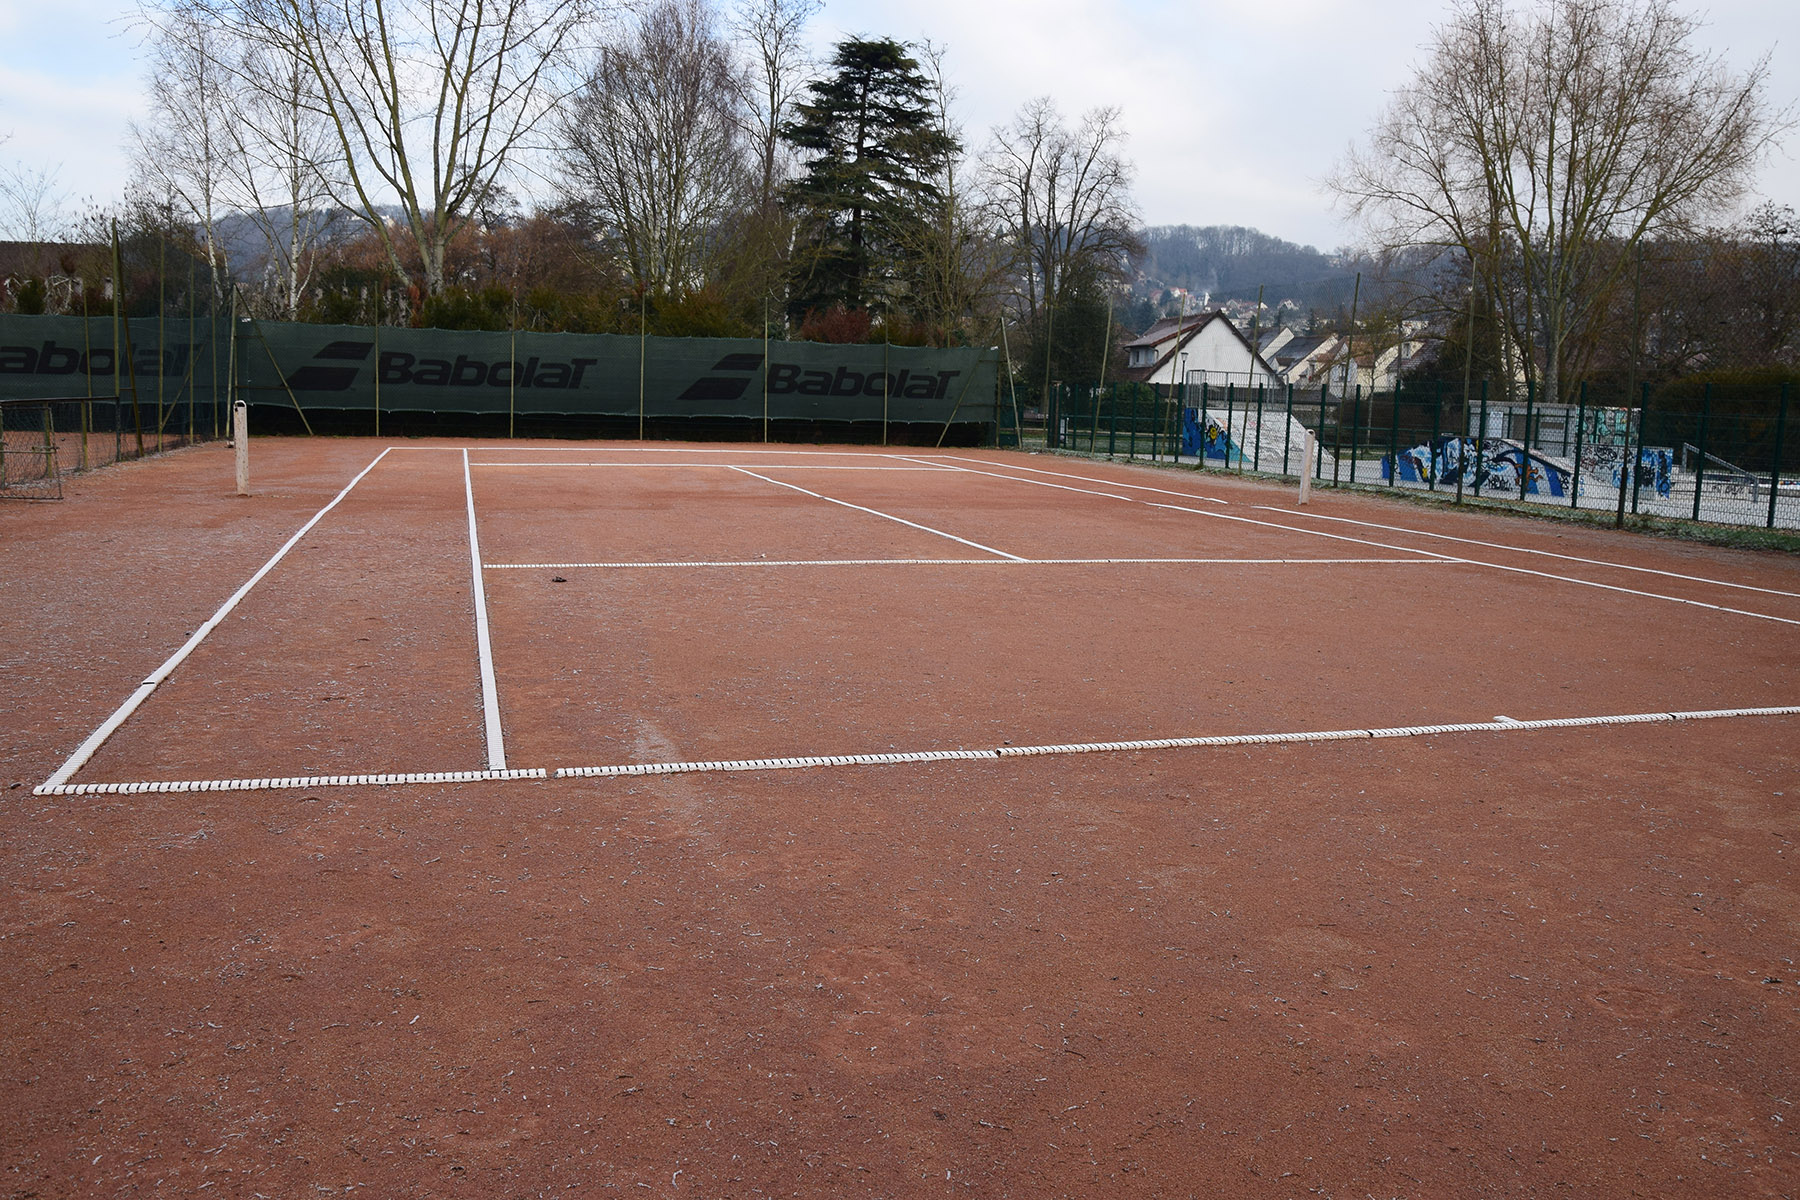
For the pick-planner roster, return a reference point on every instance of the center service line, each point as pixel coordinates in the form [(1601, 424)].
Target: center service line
[(876, 513), (490, 698)]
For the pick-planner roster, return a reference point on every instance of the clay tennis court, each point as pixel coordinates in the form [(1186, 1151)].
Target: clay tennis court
[(587, 818)]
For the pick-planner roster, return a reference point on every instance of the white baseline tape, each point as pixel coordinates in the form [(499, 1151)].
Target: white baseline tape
[(801, 762), (1241, 739), (110, 726), (278, 782)]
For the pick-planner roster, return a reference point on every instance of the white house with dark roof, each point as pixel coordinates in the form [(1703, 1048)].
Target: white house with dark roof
[(1203, 348)]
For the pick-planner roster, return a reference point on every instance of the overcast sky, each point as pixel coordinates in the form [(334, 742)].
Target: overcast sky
[(1235, 111)]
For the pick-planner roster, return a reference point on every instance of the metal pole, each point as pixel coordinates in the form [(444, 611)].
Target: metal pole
[(1627, 466), (884, 384), (765, 369), (1580, 421), (1525, 442), (643, 334), (1287, 426), (1394, 432), (1637, 480), (1775, 467), (1480, 438), (1355, 430), (1256, 455), (1437, 430), (1700, 467), (380, 287)]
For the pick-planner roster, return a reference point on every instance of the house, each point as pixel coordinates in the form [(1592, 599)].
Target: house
[(1301, 359), (1204, 348)]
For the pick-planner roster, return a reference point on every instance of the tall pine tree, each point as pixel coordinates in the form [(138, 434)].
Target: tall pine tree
[(871, 145)]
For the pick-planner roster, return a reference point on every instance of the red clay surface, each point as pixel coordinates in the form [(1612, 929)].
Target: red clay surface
[(1486, 964)]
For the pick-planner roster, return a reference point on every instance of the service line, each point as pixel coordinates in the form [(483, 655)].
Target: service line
[(107, 728), (970, 562), (916, 469), (877, 513)]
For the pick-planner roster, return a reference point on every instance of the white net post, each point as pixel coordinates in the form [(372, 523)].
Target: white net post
[(240, 443), (1306, 466)]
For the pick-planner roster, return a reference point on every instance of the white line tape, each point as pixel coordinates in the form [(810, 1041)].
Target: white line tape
[(97, 738), (490, 692), (1499, 725), (800, 762), (974, 562), (915, 469), (286, 783), (878, 513), (1593, 562)]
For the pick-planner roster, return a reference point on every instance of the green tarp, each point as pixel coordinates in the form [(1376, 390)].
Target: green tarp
[(347, 368)]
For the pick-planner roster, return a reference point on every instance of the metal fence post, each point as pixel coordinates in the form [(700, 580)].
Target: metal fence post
[(1700, 467), (1200, 425), (1637, 476), (1775, 466), (1437, 431), (1256, 457), (1394, 435), (1580, 423), (1287, 425), (1525, 443), (1230, 396), (1480, 439), (1318, 466), (1355, 430), (1112, 421)]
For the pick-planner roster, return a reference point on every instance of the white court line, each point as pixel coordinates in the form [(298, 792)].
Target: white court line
[(95, 739), (1242, 739), (799, 762), (657, 450), (1136, 487), (291, 781), (973, 562), (490, 693), (1596, 562), (916, 469), (1338, 537), (877, 513)]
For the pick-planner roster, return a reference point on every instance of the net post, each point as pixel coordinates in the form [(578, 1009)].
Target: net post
[(1306, 475), (240, 444)]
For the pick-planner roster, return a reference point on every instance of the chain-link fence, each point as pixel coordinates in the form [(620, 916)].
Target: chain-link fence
[(42, 441), (1704, 453)]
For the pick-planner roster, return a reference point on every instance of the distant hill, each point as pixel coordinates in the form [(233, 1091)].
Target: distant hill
[(1229, 262)]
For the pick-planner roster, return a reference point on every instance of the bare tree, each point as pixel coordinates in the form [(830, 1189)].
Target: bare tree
[(430, 102), (772, 32), (182, 151), (654, 147), (1062, 199), (1544, 140), (291, 166)]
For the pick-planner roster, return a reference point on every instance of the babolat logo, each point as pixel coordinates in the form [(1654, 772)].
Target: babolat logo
[(792, 379), (397, 368), (51, 358)]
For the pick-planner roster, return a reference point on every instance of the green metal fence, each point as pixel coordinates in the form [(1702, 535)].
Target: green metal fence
[(1702, 452)]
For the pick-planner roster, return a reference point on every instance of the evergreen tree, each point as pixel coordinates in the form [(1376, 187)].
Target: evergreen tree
[(873, 145)]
